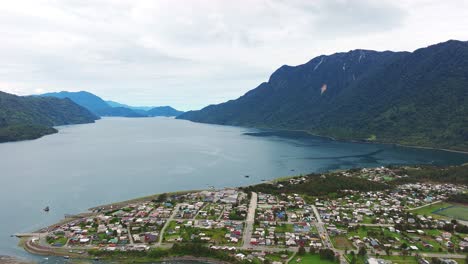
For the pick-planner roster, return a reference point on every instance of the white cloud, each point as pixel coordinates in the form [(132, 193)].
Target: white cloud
[(193, 53)]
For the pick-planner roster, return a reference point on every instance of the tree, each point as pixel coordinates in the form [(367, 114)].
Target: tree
[(312, 250), (301, 251), (362, 251), (387, 251), (404, 245), (162, 198)]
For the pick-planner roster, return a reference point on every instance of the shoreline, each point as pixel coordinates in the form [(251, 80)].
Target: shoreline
[(338, 139), (279, 130)]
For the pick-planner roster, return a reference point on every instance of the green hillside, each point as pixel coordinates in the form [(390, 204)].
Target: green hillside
[(415, 98), (28, 117)]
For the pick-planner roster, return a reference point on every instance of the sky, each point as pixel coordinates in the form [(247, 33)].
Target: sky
[(192, 53)]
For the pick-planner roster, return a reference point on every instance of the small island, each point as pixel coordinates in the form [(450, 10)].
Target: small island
[(372, 215)]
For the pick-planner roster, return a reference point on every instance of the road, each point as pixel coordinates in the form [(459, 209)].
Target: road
[(324, 235), (161, 234), (371, 225), (429, 204), (249, 222)]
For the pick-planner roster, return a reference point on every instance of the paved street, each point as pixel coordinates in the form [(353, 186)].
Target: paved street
[(249, 222)]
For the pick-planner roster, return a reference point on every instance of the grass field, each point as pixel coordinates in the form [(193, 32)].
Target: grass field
[(427, 210), (309, 259), (401, 259), (459, 212), (342, 242)]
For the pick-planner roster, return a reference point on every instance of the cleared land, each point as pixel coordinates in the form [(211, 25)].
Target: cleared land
[(457, 211), (310, 259)]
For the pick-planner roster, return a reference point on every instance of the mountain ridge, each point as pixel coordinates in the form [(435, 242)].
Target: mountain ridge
[(100, 107), (387, 97), (30, 117)]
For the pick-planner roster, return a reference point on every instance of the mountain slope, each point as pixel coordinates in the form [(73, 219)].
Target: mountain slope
[(163, 111), (120, 111), (29, 117), (88, 100), (95, 104), (117, 104), (418, 98)]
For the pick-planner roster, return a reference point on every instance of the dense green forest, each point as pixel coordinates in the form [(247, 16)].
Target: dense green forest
[(415, 98), (319, 185), (28, 117), (334, 183), (99, 107), (451, 174)]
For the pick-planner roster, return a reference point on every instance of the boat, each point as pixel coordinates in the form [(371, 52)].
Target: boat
[(66, 257), (247, 176), (46, 209)]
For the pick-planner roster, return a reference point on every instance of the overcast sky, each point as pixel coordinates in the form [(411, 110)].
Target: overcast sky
[(189, 54)]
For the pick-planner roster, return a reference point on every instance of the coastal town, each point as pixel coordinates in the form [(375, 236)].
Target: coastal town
[(413, 222)]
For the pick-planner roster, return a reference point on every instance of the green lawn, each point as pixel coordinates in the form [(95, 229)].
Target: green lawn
[(342, 242), (459, 212), (282, 228), (310, 259), (427, 210), (401, 259)]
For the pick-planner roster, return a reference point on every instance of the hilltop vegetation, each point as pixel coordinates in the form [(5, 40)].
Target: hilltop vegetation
[(337, 183), (417, 98), (330, 184), (28, 117), (452, 174), (100, 107)]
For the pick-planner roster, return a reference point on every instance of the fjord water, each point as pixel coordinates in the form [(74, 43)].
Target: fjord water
[(121, 158)]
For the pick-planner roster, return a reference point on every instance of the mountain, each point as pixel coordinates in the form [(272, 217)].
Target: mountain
[(30, 117), (117, 104), (149, 110), (95, 104), (88, 100), (120, 111), (415, 98), (163, 111)]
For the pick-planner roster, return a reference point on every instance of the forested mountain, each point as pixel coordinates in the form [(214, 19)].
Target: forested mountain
[(86, 99), (163, 111), (412, 98), (117, 104), (29, 117), (100, 107), (94, 104)]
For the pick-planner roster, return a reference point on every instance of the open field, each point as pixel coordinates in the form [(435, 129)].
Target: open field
[(428, 210), (401, 259), (444, 210), (342, 242), (456, 211), (309, 259)]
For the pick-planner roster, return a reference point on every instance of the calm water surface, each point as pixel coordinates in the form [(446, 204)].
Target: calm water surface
[(121, 158)]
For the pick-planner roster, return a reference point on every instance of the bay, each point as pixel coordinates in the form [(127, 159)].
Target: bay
[(117, 159)]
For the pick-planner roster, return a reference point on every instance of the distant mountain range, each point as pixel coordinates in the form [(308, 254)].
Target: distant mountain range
[(100, 107), (415, 98), (30, 117)]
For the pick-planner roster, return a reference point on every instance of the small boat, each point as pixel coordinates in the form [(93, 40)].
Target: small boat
[(46, 209), (247, 176), (66, 257)]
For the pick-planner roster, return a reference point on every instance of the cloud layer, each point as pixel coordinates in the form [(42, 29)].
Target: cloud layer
[(192, 53)]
